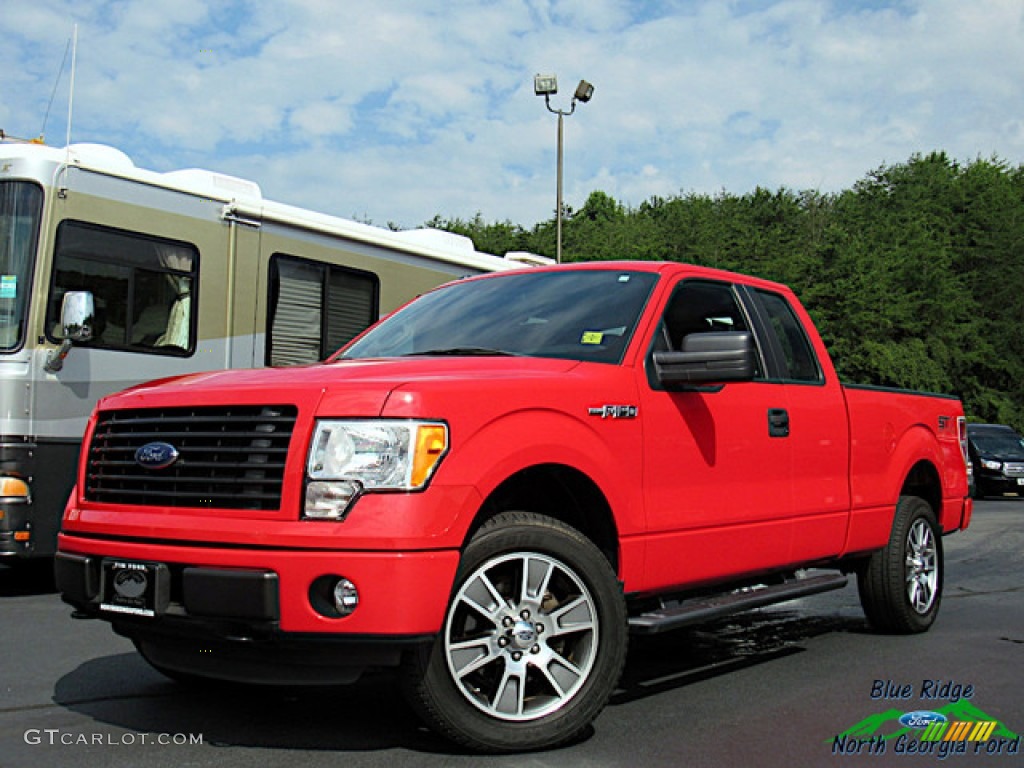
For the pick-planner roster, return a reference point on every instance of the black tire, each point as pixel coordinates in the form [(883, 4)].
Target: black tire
[(523, 663), (901, 585)]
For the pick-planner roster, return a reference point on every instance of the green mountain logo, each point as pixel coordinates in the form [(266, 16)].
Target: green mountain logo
[(887, 724)]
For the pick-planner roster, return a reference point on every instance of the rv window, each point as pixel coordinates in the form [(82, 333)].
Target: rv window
[(21, 204), (316, 308), (142, 287)]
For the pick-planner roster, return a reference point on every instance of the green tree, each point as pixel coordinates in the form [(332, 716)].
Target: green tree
[(914, 275)]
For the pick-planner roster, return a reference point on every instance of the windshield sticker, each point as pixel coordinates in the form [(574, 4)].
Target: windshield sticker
[(592, 337), (8, 286)]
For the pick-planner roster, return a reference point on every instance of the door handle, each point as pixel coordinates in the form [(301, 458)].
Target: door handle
[(778, 422)]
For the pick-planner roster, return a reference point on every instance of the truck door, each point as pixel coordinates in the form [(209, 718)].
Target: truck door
[(817, 427), (717, 477)]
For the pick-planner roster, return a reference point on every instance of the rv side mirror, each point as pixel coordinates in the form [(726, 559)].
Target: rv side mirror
[(715, 357), (77, 313)]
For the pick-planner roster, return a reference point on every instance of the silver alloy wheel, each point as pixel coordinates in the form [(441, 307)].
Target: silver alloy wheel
[(922, 571), (521, 636)]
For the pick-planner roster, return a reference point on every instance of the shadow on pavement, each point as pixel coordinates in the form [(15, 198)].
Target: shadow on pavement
[(27, 577), (659, 663), (371, 714)]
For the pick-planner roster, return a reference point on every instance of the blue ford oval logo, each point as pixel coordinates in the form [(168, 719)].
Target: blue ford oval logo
[(921, 719), (156, 455)]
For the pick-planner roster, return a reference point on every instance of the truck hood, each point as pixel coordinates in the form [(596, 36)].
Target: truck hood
[(356, 387)]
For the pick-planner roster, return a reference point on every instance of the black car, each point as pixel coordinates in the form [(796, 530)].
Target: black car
[(997, 456)]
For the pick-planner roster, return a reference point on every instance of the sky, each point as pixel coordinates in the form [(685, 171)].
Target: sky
[(396, 111)]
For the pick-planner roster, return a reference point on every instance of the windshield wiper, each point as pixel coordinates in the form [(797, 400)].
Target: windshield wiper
[(463, 352)]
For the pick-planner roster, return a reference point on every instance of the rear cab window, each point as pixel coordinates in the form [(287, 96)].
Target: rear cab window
[(793, 348)]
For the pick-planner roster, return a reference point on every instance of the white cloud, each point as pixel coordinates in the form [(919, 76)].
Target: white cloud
[(407, 109)]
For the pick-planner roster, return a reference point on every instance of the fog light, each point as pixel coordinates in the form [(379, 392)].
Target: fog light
[(330, 500), (346, 597)]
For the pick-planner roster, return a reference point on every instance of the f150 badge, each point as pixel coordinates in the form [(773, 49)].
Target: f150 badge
[(614, 411)]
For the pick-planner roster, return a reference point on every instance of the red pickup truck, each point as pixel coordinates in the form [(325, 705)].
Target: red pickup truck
[(497, 484)]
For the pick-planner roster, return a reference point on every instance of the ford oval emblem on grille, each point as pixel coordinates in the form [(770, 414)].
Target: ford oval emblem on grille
[(156, 455)]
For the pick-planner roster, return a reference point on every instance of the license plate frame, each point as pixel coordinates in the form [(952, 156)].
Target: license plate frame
[(135, 588)]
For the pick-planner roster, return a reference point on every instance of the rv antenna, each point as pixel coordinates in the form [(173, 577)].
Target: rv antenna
[(71, 92), (62, 191), (53, 93)]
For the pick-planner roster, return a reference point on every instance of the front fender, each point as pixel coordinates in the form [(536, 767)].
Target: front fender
[(608, 451)]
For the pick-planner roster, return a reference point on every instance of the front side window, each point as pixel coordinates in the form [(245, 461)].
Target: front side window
[(315, 309), (701, 306), (142, 287), (21, 205)]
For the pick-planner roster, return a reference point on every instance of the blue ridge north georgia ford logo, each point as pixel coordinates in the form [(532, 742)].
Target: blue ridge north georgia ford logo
[(156, 455)]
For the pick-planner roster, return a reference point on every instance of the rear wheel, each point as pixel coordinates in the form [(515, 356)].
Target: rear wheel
[(901, 585), (533, 643)]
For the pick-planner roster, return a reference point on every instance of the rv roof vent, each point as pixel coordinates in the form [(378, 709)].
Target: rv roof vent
[(530, 259), (102, 156), (437, 238), (219, 186)]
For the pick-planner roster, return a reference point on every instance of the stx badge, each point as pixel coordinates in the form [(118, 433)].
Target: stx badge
[(614, 411)]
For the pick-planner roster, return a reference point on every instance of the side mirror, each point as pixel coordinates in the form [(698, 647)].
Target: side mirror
[(77, 313), (715, 357)]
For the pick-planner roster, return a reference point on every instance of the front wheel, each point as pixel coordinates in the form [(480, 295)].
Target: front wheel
[(901, 585), (533, 642)]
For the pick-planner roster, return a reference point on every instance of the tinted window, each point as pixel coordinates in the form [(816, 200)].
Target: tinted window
[(20, 206), (142, 287), (797, 354), (315, 309), (577, 315), (700, 306), (997, 441)]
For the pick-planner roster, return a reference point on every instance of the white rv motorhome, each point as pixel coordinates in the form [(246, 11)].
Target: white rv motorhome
[(111, 275)]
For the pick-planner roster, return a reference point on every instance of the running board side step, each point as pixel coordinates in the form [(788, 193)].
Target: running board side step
[(701, 609)]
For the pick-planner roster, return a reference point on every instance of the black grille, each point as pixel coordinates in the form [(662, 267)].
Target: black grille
[(228, 457)]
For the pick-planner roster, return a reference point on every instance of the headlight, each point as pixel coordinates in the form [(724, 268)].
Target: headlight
[(348, 458), (993, 465)]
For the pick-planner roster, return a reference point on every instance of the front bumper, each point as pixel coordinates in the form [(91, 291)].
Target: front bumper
[(232, 592), (989, 483)]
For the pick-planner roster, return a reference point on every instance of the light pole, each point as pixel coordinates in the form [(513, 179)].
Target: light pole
[(547, 86)]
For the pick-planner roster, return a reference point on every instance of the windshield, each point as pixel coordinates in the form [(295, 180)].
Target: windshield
[(572, 314), (20, 206), (999, 443)]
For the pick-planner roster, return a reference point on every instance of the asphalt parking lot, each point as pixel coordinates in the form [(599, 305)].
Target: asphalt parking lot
[(774, 687)]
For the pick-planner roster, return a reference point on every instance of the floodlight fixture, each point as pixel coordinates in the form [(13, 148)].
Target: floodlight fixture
[(545, 85), (584, 91)]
